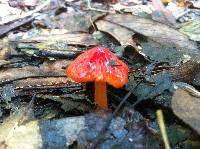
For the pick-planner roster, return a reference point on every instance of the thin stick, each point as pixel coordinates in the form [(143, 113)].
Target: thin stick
[(23, 78), (161, 123)]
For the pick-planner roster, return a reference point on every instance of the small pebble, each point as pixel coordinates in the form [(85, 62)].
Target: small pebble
[(130, 139)]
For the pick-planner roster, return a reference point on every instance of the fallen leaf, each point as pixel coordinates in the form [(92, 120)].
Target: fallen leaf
[(32, 76), (191, 29), (162, 82), (56, 65), (158, 32), (196, 4), (162, 14), (3, 62), (70, 39), (51, 44), (80, 21), (186, 72), (50, 133), (125, 37), (121, 34), (186, 107), (41, 134), (46, 69)]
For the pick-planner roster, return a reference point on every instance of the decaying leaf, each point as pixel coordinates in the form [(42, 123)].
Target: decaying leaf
[(192, 29), (4, 49), (186, 72), (161, 82), (176, 134), (80, 21), (125, 37), (3, 62), (52, 65), (83, 39), (158, 32), (74, 98), (28, 71), (121, 34), (55, 134), (159, 53), (162, 14), (49, 44), (186, 107)]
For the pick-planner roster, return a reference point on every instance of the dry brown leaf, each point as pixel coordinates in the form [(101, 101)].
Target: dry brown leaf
[(70, 38), (121, 34), (54, 66), (158, 32), (40, 134), (50, 73), (47, 69), (4, 62), (162, 14), (186, 72), (186, 107), (72, 20)]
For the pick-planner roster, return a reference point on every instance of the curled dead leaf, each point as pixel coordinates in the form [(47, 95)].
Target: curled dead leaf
[(186, 107)]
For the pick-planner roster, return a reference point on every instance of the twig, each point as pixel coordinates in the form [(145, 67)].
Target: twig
[(46, 87), (30, 13), (22, 78), (100, 135), (161, 124)]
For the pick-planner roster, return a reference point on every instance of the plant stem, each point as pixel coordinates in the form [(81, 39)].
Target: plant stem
[(101, 95), (161, 123)]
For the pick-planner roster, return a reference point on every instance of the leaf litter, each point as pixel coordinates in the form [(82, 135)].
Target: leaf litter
[(39, 44)]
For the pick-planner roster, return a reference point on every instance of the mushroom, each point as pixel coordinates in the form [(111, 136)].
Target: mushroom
[(99, 65)]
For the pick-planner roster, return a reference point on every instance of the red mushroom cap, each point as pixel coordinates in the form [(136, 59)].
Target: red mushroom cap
[(98, 64)]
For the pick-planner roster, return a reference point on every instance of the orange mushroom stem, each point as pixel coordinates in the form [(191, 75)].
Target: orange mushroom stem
[(101, 95)]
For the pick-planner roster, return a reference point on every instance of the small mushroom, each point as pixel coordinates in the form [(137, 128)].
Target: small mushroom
[(99, 65)]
